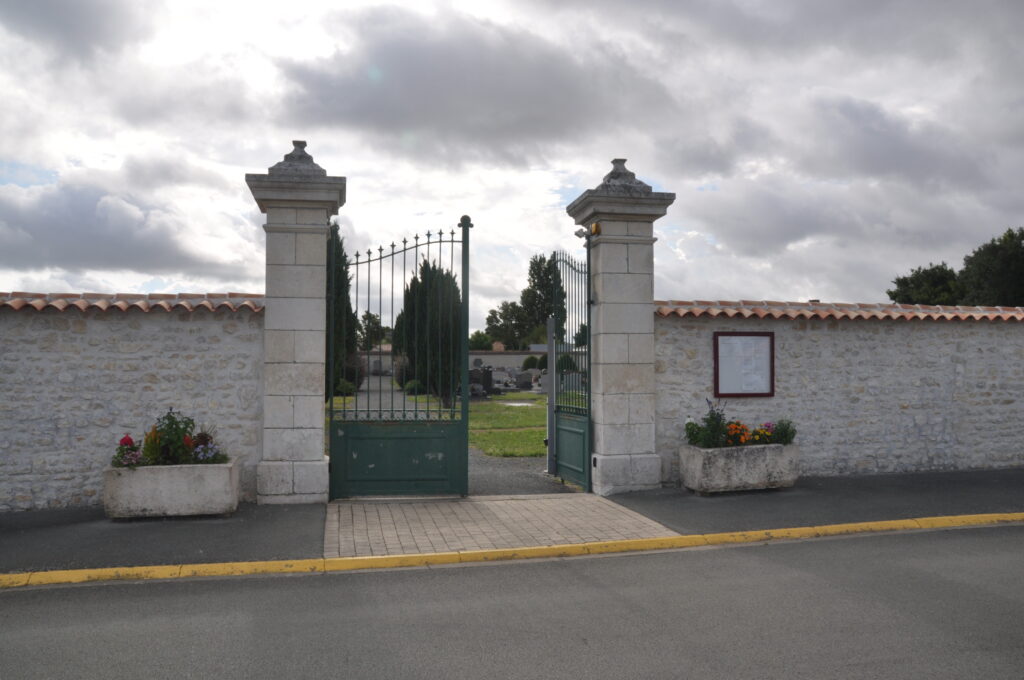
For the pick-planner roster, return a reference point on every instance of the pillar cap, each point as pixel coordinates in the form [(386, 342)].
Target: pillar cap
[(620, 196), (297, 181), (297, 162)]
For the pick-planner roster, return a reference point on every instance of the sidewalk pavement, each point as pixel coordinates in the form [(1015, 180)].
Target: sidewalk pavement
[(50, 540)]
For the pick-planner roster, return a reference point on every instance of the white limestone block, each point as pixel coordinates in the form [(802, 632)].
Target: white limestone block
[(299, 314), (641, 348), (311, 248), (311, 477), (309, 411), (294, 379), (310, 346), (278, 411), (279, 346), (280, 248), (296, 281), (293, 444), (273, 477)]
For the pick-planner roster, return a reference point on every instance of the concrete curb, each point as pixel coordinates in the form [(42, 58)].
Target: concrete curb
[(326, 565)]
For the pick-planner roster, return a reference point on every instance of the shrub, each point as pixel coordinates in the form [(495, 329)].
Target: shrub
[(174, 432), (710, 432), (783, 433), (400, 371), (566, 364), (542, 363), (353, 370), (344, 388), (414, 387), (530, 362)]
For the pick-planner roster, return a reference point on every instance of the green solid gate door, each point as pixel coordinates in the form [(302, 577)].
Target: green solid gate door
[(570, 340), (398, 366)]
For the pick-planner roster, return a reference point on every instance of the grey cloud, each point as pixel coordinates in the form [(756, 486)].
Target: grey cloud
[(767, 215), (77, 227), (696, 152), (79, 28), (939, 30), (149, 173), (859, 138), (189, 96), (460, 87)]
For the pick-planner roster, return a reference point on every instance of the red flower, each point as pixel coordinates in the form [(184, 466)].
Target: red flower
[(188, 441), (126, 441)]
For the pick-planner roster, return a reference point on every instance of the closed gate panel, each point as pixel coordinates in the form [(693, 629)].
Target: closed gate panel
[(398, 367)]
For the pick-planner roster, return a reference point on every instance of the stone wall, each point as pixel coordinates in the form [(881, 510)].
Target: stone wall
[(73, 382), (866, 395)]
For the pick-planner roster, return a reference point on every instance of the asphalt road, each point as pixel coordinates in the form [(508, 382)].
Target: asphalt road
[(943, 604)]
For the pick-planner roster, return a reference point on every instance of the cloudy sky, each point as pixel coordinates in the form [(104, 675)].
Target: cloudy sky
[(816, 149)]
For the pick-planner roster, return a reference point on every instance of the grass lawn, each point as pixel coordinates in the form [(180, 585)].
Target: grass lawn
[(500, 427), (513, 424)]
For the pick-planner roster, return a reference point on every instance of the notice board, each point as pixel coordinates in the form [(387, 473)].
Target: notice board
[(744, 364)]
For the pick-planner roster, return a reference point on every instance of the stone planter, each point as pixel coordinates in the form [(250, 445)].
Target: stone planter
[(738, 468), (171, 490)]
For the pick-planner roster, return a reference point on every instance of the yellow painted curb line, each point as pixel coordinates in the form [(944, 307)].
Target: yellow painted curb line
[(323, 565)]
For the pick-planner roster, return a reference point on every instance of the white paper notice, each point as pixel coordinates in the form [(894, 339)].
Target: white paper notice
[(744, 364)]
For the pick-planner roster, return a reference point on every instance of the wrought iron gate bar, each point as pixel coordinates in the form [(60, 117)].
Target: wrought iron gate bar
[(429, 336), (571, 341)]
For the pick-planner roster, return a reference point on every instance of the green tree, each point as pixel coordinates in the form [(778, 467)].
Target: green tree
[(543, 295), (582, 336), (935, 284), (426, 335), (566, 364), (518, 324), (371, 332), (993, 275), (478, 340), (508, 324), (346, 363)]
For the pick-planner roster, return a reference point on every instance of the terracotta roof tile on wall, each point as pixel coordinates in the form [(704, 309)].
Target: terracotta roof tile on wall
[(124, 301), (770, 309)]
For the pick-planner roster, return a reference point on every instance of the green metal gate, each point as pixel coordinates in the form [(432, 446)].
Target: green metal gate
[(569, 369), (398, 366)]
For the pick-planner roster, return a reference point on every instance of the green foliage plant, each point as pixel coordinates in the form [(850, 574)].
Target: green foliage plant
[(427, 331), (783, 433), (480, 341), (175, 432), (935, 284), (992, 276), (710, 432), (173, 440), (346, 328), (414, 387), (566, 364), (344, 388), (714, 430), (530, 362)]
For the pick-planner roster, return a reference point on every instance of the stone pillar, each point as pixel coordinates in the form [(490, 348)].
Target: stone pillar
[(298, 199), (619, 216)]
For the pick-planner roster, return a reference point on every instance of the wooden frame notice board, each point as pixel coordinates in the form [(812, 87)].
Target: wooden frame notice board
[(744, 364)]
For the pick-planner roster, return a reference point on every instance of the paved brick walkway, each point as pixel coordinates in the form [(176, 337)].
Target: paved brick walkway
[(399, 526)]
